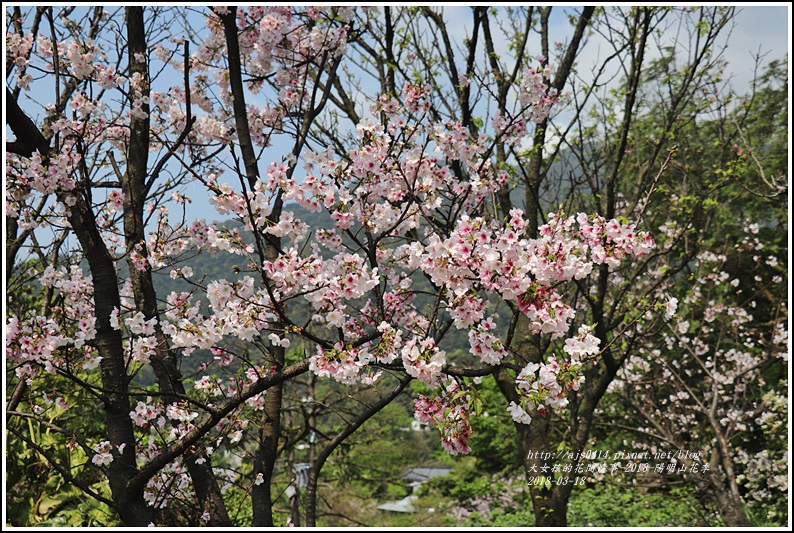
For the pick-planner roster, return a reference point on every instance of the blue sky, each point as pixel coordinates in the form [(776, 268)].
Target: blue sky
[(763, 30), (757, 29)]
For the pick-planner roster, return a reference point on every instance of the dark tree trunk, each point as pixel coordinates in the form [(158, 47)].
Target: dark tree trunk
[(270, 433), (134, 186), (265, 458), (131, 506)]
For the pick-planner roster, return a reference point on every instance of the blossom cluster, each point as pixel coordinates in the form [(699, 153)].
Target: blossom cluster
[(41, 342), (543, 386), (449, 411)]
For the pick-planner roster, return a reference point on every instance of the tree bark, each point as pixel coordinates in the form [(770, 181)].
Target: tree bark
[(549, 504), (134, 187), (131, 506), (270, 432)]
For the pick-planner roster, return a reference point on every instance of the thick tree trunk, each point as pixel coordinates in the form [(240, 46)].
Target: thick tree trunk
[(730, 508), (134, 187), (265, 458), (267, 448), (131, 507), (549, 504)]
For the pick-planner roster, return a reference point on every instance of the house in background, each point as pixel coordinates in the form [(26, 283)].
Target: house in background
[(414, 477)]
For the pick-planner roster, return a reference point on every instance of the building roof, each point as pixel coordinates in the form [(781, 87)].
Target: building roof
[(422, 473)]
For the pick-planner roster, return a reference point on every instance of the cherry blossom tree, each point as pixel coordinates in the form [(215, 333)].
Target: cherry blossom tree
[(86, 167), (713, 391), (711, 379), (349, 113), (611, 168)]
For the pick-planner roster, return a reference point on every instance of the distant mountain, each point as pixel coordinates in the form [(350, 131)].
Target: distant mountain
[(209, 266)]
